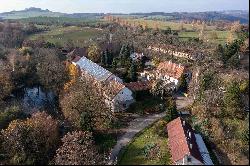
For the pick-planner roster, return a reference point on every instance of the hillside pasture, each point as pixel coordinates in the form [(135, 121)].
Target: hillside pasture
[(188, 31), (60, 35), (222, 36)]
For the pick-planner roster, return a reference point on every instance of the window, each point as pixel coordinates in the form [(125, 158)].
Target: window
[(189, 159)]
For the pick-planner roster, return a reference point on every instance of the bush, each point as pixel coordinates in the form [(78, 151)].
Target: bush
[(9, 114), (171, 110), (207, 80), (232, 100), (244, 86), (160, 128)]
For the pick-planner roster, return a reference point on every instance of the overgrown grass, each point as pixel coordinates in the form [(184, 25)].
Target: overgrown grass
[(149, 147)]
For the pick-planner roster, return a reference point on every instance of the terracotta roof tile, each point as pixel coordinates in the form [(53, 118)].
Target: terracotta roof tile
[(179, 133), (112, 88), (77, 52), (76, 59), (171, 69), (139, 85)]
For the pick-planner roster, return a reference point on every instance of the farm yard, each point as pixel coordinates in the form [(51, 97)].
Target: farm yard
[(60, 35)]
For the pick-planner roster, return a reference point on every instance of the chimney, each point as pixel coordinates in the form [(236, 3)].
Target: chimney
[(183, 123), (191, 146), (179, 65), (189, 134)]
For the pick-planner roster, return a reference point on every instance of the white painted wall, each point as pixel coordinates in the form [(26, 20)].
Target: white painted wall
[(184, 161), (121, 101)]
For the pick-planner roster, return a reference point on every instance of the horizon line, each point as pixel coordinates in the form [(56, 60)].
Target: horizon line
[(129, 12)]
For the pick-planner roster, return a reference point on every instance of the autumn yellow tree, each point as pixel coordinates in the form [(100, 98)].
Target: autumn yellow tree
[(181, 26), (202, 31), (73, 75), (94, 53), (235, 27), (230, 37)]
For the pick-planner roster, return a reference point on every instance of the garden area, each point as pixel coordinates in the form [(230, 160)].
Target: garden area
[(150, 147), (146, 106)]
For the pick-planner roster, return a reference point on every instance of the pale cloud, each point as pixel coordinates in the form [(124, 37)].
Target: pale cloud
[(124, 6)]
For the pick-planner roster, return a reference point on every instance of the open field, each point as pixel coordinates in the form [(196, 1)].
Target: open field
[(61, 35), (148, 148), (222, 36), (189, 31), (165, 24)]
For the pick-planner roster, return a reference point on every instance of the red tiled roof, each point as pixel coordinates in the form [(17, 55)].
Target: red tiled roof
[(139, 85), (76, 59), (112, 88), (179, 140), (78, 52), (171, 69)]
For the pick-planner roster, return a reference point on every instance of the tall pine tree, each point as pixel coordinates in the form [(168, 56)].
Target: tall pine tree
[(132, 72)]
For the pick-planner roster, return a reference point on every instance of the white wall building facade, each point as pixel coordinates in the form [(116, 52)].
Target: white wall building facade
[(120, 98)]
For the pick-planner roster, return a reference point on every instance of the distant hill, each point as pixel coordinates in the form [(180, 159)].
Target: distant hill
[(30, 12), (38, 12), (233, 15)]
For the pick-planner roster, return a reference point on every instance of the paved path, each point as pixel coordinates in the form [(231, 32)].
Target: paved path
[(138, 125)]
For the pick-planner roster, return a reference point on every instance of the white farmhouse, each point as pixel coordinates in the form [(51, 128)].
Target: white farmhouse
[(168, 72), (117, 96)]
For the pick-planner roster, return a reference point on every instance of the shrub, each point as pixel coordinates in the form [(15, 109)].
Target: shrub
[(9, 114)]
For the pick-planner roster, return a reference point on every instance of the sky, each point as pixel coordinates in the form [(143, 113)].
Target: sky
[(125, 6)]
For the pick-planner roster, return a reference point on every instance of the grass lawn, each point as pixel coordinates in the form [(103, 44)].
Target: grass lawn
[(147, 105), (63, 34), (150, 147)]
